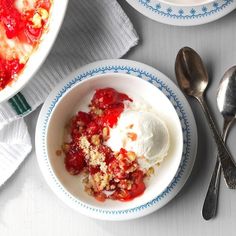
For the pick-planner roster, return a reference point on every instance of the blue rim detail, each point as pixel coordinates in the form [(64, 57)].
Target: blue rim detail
[(188, 13), (169, 94)]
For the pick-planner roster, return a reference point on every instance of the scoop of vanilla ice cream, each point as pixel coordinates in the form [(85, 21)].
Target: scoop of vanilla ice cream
[(143, 133)]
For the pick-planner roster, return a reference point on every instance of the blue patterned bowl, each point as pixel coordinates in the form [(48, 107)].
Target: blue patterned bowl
[(131, 78), (184, 12)]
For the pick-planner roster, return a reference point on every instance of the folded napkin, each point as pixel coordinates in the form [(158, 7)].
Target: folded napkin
[(92, 30)]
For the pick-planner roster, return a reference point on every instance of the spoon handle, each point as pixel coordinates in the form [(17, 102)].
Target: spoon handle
[(226, 160), (210, 204)]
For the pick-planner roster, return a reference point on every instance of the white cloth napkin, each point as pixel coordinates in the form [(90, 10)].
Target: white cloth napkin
[(92, 30)]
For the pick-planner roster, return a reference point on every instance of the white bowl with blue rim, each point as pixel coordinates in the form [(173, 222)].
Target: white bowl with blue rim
[(131, 78), (184, 12)]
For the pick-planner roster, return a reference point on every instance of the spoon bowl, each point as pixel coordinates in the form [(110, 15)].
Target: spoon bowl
[(191, 72), (226, 97)]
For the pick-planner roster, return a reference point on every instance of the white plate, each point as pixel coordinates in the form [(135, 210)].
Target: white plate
[(184, 12), (54, 172)]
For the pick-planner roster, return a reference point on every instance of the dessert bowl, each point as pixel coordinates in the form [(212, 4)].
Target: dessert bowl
[(39, 55), (70, 188)]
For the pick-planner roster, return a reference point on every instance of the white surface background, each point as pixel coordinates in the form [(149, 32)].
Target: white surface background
[(28, 207)]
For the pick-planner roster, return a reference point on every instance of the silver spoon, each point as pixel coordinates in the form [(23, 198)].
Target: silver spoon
[(193, 80), (226, 101)]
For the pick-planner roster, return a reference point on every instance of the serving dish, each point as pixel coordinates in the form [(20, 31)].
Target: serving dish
[(124, 75), (39, 55), (184, 12)]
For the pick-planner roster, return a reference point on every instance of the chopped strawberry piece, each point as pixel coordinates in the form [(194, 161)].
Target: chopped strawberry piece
[(105, 98), (101, 197), (75, 163), (8, 70)]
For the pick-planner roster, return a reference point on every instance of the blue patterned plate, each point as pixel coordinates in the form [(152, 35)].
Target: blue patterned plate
[(62, 102), (197, 13)]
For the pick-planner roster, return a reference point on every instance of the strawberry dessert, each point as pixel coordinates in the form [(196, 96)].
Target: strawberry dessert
[(109, 146), (22, 23)]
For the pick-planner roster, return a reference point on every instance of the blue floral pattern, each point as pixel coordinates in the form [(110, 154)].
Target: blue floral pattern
[(185, 13), (170, 95)]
